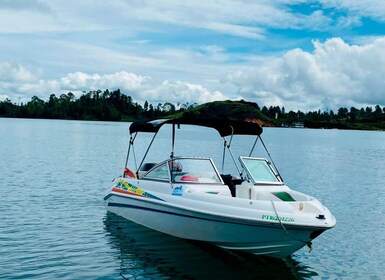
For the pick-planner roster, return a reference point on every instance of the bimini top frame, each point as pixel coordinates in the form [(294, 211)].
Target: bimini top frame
[(224, 127)]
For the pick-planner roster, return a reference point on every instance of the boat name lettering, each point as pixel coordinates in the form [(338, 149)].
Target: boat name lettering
[(275, 218)]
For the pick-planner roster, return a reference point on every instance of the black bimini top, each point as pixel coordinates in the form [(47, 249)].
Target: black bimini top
[(224, 127)]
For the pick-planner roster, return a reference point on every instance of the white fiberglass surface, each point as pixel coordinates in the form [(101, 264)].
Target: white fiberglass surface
[(259, 170)]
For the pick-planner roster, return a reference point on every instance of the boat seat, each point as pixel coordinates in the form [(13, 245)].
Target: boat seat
[(231, 182)]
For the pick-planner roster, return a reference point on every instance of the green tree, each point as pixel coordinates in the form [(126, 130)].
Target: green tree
[(145, 107), (35, 108), (342, 113)]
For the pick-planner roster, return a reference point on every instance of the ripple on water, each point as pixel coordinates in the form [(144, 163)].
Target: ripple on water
[(54, 175)]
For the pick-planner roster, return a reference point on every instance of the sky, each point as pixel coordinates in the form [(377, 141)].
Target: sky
[(297, 54)]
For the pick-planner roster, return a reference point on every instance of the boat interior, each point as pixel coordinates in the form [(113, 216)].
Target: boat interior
[(257, 178), (201, 173)]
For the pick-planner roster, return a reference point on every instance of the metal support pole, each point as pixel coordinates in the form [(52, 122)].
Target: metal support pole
[(173, 141), (145, 155), (252, 149), (224, 154), (131, 143), (270, 158)]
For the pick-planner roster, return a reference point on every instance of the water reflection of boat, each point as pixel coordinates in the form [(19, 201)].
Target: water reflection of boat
[(153, 255), (187, 197)]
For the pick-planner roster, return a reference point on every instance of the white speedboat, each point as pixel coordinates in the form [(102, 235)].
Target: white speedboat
[(187, 197)]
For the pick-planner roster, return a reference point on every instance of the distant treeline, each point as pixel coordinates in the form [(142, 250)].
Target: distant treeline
[(353, 118), (115, 106), (93, 105)]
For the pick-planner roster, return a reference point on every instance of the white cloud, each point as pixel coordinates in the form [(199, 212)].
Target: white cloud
[(248, 19), (364, 8), (18, 82), (14, 72), (141, 88), (182, 92), (31, 17), (12, 78), (82, 81), (161, 50), (336, 72), (239, 18)]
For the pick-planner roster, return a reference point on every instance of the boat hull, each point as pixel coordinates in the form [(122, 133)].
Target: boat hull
[(256, 237)]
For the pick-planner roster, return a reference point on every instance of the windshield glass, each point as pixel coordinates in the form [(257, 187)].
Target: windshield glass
[(160, 173), (193, 170), (259, 170)]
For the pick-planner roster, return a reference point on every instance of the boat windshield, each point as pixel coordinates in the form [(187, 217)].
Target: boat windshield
[(194, 170), (259, 170), (185, 170)]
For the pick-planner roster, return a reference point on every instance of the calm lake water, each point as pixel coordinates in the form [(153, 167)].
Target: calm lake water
[(54, 174)]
